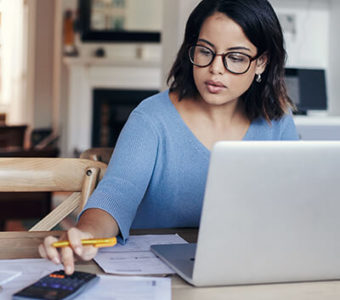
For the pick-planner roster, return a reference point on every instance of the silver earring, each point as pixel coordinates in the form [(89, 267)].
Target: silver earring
[(258, 78)]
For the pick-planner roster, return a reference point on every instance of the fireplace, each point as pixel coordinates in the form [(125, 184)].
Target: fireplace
[(111, 108), (111, 82)]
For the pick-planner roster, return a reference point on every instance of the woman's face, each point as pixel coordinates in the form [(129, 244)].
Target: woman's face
[(216, 85)]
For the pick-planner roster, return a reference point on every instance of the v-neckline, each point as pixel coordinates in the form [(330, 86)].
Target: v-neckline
[(189, 131)]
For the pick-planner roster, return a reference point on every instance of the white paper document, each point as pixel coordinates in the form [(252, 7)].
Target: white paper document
[(108, 287), (128, 288), (6, 275), (30, 270), (135, 257)]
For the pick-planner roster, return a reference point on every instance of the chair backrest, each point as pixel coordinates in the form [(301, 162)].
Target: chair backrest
[(98, 154), (79, 176)]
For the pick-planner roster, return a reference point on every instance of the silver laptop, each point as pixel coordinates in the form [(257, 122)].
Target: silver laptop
[(271, 213)]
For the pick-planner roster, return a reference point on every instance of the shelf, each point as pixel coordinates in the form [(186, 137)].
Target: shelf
[(94, 61)]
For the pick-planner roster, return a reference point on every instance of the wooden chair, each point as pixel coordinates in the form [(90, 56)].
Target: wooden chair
[(21, 141), (33, 205), (79, 176), (102, 154)]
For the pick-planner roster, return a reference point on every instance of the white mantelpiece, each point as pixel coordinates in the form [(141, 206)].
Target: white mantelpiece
[(88, 74)]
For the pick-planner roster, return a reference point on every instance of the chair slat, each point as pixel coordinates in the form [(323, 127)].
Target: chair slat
[(79, 176), (44, 174)]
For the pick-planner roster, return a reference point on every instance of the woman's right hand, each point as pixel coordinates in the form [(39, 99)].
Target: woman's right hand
[(67, 255)]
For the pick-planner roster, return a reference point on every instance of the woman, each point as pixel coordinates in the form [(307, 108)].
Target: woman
[(226, 84)]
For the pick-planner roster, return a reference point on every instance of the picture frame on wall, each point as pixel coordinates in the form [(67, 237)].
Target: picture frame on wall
[(108, 20)]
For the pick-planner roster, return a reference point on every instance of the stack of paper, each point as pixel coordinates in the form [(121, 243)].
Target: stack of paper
[(128, 288), (135, 257)]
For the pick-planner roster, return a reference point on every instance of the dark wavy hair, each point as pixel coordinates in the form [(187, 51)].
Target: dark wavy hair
[(267, 99)]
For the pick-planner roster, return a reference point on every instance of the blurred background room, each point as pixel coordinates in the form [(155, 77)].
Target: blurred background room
[(71, 71)]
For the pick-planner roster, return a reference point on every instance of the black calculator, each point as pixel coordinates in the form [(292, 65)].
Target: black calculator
[(57, 285)]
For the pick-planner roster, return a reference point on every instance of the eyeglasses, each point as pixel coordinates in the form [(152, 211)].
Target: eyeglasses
[(234, 62)]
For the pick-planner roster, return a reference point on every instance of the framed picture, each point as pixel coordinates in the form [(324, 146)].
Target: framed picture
[(120, 20)]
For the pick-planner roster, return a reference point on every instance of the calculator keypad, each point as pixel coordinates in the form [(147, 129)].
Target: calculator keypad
[(58, 285), (58, 280)]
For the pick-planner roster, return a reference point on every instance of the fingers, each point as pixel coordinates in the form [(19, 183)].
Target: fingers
[(84, 252), (68, 260), (74, 236), (66, 255), (46, 250), (89, 252)]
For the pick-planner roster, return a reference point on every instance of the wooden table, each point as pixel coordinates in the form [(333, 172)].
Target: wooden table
[(24, 245)]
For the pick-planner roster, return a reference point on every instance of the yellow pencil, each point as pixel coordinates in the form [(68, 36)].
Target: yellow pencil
[(103, 242)]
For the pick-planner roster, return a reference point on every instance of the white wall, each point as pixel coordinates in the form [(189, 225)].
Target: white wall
[(308, 46), (13, 61), (334, 59), (44, 64), (175, 16)]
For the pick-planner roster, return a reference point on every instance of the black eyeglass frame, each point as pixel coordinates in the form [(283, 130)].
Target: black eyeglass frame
[(223, 55)]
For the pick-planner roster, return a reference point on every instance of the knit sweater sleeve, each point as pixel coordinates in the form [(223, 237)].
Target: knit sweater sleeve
[(129, 172)]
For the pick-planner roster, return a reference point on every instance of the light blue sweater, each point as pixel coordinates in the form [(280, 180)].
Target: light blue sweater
[(157, 173)]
